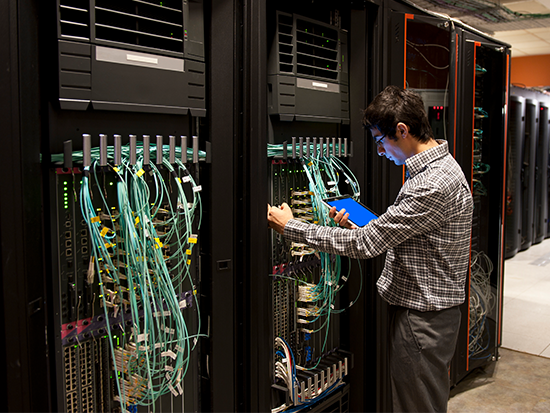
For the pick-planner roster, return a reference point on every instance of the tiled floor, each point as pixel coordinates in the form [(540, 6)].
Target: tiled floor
[(518, 382), (526, 320)]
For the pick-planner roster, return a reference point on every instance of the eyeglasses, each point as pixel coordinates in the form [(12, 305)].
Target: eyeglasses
[(379, 142)]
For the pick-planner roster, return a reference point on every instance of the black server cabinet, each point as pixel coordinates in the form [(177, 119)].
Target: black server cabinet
[(444, 61), (482, 134), (541, 177), (129, 74), (516, 130), (270, 104), (308, 105), (534, 173), (529, 153)]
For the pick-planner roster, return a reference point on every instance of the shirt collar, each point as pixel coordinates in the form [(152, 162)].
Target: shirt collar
[(417, 163)]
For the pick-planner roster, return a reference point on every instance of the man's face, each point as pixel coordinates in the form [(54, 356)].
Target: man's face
[(390, 148)]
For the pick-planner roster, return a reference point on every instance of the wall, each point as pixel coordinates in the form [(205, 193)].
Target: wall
[(531, 71)]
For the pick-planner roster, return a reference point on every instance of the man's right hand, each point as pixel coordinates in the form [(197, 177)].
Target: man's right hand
[(341, 218)]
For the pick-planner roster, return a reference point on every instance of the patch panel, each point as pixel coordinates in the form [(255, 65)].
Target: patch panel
[(100, 312), (302, 320)]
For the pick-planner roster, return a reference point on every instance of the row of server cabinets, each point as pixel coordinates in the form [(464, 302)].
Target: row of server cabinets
[(528, 170), (146, 139)]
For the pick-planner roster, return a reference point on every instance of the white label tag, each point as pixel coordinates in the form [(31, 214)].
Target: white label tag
[(318, 84), (142, 59), (169, 353), (174, 392)]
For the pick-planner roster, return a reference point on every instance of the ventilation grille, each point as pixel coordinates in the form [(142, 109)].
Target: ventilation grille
[(145, 23), (74, 19), (316, 50), (286, 46)]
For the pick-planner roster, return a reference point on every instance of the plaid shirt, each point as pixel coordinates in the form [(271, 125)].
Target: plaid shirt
[(426, 234)]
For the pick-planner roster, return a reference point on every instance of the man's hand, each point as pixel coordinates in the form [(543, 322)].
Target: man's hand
[(341, 218), (277, 217)]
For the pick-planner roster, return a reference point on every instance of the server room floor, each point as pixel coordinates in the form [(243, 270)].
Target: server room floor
[(520, 381)]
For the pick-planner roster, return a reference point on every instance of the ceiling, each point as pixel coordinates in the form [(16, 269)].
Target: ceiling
[(523, 24)]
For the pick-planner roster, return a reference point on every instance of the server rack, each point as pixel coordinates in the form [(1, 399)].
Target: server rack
[(529, 152), (541, 193), (126, 75), (533, 212), (541, 180), (483, 133), (516, 130), (308, 101), (453, 92), (250, 176)]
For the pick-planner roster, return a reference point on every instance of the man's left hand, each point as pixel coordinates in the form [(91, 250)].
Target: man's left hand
[(277, 217)]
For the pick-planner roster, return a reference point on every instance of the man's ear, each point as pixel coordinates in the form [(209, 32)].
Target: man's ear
[(403, 129)]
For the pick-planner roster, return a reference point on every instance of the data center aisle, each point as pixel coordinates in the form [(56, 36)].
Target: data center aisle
[(526, 319)]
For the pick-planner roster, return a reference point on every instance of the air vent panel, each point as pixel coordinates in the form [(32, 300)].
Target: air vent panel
[(316, 50), (286, 43), (141, 23), (74, 19)]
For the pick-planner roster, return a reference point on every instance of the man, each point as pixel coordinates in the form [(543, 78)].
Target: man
[(426, 234)]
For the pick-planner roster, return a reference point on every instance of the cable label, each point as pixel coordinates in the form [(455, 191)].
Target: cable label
[(169, 353)]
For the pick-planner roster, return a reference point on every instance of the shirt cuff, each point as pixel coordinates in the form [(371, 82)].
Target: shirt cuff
[(295, 231)]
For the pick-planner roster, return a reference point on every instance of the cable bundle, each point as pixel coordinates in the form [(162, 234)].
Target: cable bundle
[(318, 278), (141, 252), (482, 301)]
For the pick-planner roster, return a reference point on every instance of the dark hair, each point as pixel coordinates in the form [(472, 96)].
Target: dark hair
[(394, 105)]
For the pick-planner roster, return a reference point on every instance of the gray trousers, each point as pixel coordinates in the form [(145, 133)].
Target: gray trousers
[(422, 345)]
